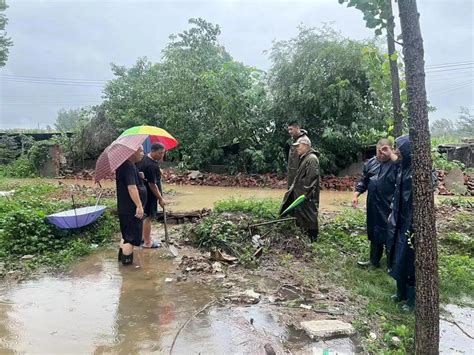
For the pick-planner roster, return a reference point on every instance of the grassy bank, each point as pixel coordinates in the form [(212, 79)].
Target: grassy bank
[(25, 232), (334, 259)]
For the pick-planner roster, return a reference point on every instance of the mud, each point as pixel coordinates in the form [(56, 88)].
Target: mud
[(101, 307)]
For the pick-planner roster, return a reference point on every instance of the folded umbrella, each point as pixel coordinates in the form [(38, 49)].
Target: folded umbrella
[(154, 135), (116, 153), (293, 205)]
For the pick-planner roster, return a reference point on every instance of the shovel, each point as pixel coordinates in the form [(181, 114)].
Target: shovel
[(170, 247)]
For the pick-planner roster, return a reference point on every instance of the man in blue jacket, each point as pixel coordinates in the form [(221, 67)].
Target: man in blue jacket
[(378, 180)]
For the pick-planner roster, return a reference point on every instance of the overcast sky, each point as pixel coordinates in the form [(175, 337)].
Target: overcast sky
[(71, 39)]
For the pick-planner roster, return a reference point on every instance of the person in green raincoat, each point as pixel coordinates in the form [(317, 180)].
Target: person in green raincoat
[(306, 183)]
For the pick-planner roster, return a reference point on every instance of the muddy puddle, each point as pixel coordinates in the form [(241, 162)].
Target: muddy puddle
[(457, 330), (100, 307)]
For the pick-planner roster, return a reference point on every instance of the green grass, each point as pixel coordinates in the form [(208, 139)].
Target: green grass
[(25, 231), (458, 202), (343, 242), (264, 208), (456, 277)]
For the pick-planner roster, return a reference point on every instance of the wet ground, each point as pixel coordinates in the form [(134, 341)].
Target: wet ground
[(194, 197), (101, 307), (457, 330)]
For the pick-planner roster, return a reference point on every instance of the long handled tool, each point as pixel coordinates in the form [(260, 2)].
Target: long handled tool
[(170, 247)]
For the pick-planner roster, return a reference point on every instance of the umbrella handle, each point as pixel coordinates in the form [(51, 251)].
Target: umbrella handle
[(98, 199), (74, 205)]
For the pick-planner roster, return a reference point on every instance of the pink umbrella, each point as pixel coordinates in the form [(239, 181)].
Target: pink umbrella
[(116, 153)]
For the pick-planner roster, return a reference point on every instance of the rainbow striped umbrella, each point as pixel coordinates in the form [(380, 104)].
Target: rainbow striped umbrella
[(155, 135)]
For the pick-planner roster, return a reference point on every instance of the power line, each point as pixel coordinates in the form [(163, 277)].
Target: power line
[(64, 83), (49, 97), (51, 78), (448, 79), (459, 86), (444, 65), (51, 103), (442, 70)]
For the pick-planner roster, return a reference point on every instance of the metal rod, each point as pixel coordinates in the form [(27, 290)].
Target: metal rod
[(271, 222)]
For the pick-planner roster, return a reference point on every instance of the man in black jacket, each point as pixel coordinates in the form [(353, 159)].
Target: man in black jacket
[(379, 176), (150, 168)]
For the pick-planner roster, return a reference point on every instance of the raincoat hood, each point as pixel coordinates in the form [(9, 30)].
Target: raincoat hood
[(404, 146)]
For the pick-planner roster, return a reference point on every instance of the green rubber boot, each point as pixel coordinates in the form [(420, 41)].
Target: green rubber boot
[(401, 294), (410, 305)]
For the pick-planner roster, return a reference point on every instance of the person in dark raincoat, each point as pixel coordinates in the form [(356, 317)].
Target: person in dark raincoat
[(378, 180), (306, 182), (400, 244), (295, 132)]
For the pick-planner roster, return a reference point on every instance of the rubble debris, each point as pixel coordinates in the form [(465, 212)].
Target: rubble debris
[(270, 180), (247, 297), (217, 255), (27, 257), (328, 328), (217, 267), (269, 349)]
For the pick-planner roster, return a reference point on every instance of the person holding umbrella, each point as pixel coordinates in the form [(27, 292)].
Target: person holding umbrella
[(131, 197), (306, 183), (120, 157)]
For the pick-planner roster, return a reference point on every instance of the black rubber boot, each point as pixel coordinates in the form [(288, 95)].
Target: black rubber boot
[(313, 235), (376, 252), (410, 305), (401, 292), (127, 259), (120, 253)]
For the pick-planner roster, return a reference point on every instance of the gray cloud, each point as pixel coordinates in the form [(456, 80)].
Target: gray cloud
[(79, 39)]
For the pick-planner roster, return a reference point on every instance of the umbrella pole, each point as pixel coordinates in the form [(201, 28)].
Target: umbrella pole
[(74, 205)]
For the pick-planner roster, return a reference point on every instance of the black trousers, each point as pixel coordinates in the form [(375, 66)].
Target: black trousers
[(376, 252)]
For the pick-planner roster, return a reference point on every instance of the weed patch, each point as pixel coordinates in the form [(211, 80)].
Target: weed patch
[(25, 231)]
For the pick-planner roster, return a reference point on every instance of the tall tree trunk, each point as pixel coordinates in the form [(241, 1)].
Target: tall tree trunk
[(426, 256), (396, 103)]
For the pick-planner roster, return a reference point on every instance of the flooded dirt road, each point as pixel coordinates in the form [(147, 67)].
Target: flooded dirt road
[(195, 197), (101, 307)]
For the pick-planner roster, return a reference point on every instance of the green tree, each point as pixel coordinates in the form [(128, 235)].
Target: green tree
[(67, 120), (443, 128), (323, 80), (378, 15), (466, 123), (5, 42), (198, 93), (9, 149)]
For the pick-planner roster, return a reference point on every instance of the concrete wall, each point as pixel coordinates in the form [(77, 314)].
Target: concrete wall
[(463, 152)]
